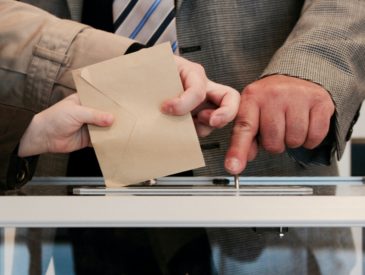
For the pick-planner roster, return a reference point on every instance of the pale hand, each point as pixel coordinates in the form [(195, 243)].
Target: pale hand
[(212, 105), (61, 128)]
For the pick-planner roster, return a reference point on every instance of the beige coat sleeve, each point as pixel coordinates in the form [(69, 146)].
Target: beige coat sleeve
[(37, 54)]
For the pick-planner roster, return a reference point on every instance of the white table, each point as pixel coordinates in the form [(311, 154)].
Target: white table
[(343, 206)]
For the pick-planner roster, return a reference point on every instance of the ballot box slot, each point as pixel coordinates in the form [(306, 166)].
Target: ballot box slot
[(186, 190)]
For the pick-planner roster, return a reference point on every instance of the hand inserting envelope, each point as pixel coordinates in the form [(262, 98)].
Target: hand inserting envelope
[(142, 143)]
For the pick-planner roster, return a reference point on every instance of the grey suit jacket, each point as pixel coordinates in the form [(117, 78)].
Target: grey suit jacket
[(239, 41)]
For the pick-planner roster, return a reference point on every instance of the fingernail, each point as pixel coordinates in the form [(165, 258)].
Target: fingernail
[(233, 164)]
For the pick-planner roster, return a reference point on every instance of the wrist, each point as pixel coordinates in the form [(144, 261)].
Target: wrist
[(33, 140)]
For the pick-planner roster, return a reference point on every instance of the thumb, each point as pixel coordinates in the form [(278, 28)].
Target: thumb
[(94, 117)]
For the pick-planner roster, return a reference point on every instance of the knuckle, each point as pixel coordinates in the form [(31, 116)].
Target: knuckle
[(273, 147), (330, 110), (276, 92), (199, 68), (257, 91), (294, 142), (242, 126), (296, 134), (319, 135), (201, 96), (314, 140), (198, 96), (250, 89), (320, 130)]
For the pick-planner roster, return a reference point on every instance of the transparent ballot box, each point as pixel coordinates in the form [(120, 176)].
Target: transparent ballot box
[(269, 225)]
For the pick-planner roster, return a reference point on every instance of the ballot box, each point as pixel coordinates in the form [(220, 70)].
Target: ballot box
[(276, 206), (187, 202)]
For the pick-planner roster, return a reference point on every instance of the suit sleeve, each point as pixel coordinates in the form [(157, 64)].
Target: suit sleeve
[(327, 46), (37, 54)]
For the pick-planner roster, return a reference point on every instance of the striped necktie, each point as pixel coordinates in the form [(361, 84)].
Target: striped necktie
[(146, 21)]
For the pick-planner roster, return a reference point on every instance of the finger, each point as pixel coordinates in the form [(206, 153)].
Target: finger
[(87, 115), (204, 116), (319, 124), (272, 128), (204, 106), (253, 151), (203, 130), (228, 100), (186, 102), (243, 135), (94, 117), (297, 122), (194, 83)]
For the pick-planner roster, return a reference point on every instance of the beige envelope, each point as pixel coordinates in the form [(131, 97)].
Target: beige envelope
[(142, 143)]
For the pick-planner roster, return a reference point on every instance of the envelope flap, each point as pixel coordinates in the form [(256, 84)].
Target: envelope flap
[(131, 80), (102, 137)]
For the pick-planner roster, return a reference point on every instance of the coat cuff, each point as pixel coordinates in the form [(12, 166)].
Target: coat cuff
[(21, 170)]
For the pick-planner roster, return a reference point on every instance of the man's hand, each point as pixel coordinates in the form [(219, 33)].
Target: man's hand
[(212, 105), (278, 112), (61, 128)]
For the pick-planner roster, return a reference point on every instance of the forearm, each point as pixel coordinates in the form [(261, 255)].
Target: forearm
[(33, 141)]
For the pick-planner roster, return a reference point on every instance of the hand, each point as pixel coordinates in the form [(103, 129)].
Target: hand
[(212, 105), (61, 128), (278, 111)]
